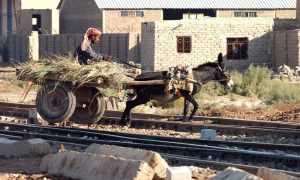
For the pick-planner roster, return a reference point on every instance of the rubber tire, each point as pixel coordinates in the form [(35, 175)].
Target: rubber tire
[(84, 116), (69, 102)]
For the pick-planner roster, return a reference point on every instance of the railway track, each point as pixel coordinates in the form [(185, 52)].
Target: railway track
[(176, 150), (150, 121)]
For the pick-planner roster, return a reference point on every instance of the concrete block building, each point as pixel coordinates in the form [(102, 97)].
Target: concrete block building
[(39, 20), (120, 16), (9, 9), (192, 42), (44, 7)]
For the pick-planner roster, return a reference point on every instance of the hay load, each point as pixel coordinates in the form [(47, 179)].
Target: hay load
[(67, 69)]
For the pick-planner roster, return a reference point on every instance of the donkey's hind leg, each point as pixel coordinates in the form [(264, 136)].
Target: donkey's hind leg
[(185, 109), (196, 106), (191, 99)]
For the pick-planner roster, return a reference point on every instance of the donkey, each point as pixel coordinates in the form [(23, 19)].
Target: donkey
[(202, 74)]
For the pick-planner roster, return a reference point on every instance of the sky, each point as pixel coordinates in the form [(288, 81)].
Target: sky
[(39, 4)]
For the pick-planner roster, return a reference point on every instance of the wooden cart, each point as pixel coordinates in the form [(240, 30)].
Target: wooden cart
[(59, 101)]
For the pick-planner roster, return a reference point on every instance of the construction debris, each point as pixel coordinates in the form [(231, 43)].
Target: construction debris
[(232, 173), (87, 166), (285, 72), (179, 173), (271, 174), (153, 159), (31, 147)]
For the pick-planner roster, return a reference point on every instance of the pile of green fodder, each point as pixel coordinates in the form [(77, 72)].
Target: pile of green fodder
[(68, 69)]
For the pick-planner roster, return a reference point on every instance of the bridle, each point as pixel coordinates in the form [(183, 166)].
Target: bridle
[(224, 73)]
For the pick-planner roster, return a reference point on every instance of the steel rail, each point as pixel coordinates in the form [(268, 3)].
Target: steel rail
[(184, 141), (163, 147), (194, 150), (179, 160), (117, 114), (215, 120), (179, 126), (233, 144), (196, 127)]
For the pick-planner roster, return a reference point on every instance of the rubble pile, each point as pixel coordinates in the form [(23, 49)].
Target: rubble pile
[(114, 162), (285, 72)]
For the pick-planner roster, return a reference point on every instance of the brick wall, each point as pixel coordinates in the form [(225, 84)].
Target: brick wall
[(285, 14), (284, 47), (77, 18), (115, 23), (209, 37), (281, 14)]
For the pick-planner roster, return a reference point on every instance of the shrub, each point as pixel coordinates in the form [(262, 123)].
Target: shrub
[(256, 81), (284, 92)]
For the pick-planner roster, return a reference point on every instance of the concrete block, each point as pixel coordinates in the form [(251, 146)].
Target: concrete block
[(209, 134), (35, 118), (87, 166), (31, 147), (232, 173), (179, 173), (34, 46), (153, 159), (33, 114), (271, 174)]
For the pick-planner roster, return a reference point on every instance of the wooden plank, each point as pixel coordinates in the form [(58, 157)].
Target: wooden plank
[(140, 83)]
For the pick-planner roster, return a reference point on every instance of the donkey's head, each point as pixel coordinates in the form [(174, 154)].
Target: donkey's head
[(222, 74)]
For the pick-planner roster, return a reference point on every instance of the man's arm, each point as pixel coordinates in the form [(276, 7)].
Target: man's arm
[(96, 56)]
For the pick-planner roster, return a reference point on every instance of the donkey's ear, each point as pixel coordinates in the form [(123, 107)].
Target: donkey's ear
[(220, 57)]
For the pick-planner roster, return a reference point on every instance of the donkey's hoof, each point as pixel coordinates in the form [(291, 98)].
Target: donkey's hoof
[(125, 123), (188, 120)]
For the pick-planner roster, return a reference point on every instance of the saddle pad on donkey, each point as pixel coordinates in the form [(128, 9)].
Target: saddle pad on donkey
[(183, 84)]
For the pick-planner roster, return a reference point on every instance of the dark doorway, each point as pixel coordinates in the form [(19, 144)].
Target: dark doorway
[(36, 22), (177, 14)]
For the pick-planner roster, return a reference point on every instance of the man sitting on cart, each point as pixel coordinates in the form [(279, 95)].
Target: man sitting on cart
[(84, 53)]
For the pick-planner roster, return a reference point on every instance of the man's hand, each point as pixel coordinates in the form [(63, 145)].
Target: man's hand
[(107, 58)]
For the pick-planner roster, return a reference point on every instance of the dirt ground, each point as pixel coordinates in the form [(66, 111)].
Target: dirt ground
[(28, 167), (280, 112)]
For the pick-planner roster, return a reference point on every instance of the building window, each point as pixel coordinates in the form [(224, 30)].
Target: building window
[(132, 13), (237, 48), (124, 13), (252, 14), (184, 44), (139, 13), (36, 22), (245, 14), (192, 16)]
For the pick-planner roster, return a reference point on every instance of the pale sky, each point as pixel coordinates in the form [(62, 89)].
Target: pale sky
[(39, 4)]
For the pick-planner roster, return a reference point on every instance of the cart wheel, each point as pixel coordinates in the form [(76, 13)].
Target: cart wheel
[(55, 102), (89, 113)]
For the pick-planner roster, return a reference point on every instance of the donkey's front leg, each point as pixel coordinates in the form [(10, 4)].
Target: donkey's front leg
[(124, 119), (141, 98)]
